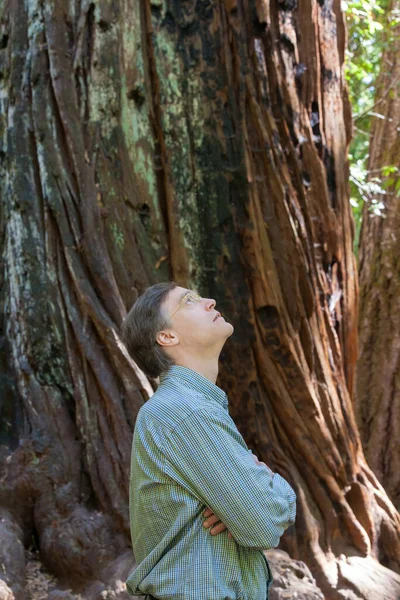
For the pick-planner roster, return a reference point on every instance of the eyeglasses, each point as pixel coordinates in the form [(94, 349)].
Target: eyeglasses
[(190, 296)]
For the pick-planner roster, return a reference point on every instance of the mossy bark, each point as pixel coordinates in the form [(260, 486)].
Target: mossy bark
[(204, 142)]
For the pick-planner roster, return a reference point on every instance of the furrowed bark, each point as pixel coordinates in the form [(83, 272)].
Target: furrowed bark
[(204, 142)]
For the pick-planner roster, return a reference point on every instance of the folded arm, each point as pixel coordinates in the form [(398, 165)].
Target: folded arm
[(208, 452)]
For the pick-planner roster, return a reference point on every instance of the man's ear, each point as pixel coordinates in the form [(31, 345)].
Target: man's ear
[(167, 338)]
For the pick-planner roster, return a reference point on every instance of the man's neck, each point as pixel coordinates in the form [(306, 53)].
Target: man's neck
[(207, 368)]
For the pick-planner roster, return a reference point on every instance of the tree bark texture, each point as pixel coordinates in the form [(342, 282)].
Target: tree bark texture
[(205, 142), (378, 369)]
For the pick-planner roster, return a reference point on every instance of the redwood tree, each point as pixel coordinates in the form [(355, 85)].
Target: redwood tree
[(378, 383), (205, 142)]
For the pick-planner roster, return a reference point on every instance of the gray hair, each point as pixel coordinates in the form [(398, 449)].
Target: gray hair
[(141, 325)]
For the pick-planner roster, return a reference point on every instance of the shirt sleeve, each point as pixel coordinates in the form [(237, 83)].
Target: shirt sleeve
[(208, 453)]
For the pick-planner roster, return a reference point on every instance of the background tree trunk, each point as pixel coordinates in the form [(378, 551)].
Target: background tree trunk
[(204, 142), (378, 383)]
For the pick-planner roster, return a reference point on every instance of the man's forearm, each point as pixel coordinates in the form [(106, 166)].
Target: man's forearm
[(217, 526)]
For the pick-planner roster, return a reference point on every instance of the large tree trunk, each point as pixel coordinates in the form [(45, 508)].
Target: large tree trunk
[(204, 142), (378, 384)]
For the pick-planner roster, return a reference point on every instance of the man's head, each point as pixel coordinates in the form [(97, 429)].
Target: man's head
[(169, 324)]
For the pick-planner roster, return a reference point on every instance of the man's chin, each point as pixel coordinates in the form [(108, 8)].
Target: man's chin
[(232, 329)]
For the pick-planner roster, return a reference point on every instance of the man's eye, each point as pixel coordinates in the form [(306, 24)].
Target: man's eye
[(191, 298)]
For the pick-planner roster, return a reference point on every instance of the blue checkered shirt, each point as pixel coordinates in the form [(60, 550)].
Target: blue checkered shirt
[(187, 455)]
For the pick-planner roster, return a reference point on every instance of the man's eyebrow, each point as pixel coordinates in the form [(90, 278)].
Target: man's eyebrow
[(183, 295)]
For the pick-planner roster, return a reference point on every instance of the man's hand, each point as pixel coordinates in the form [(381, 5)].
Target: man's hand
[(211, 521), (217, 526)]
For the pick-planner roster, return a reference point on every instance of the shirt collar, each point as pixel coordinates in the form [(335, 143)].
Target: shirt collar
[(195, 380)]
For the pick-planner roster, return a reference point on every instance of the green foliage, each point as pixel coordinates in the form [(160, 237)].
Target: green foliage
[(368, 25), (364, 49)]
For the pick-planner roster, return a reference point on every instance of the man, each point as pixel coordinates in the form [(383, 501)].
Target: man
[(202, 506)]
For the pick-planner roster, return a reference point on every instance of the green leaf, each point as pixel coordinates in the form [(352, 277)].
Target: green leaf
[(387, 169)]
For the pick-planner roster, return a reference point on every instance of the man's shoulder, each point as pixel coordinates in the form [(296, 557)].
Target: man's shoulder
[(172, 404)]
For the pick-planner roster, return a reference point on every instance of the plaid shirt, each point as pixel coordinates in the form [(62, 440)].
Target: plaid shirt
[(187, 454)]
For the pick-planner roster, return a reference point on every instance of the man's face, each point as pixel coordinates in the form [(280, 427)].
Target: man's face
[(195, 324)]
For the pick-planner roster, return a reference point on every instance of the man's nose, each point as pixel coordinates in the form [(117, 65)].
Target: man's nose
[(210, 303)]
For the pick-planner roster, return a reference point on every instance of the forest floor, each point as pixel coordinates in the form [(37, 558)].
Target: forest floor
[(39, 582), (41, 585)]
